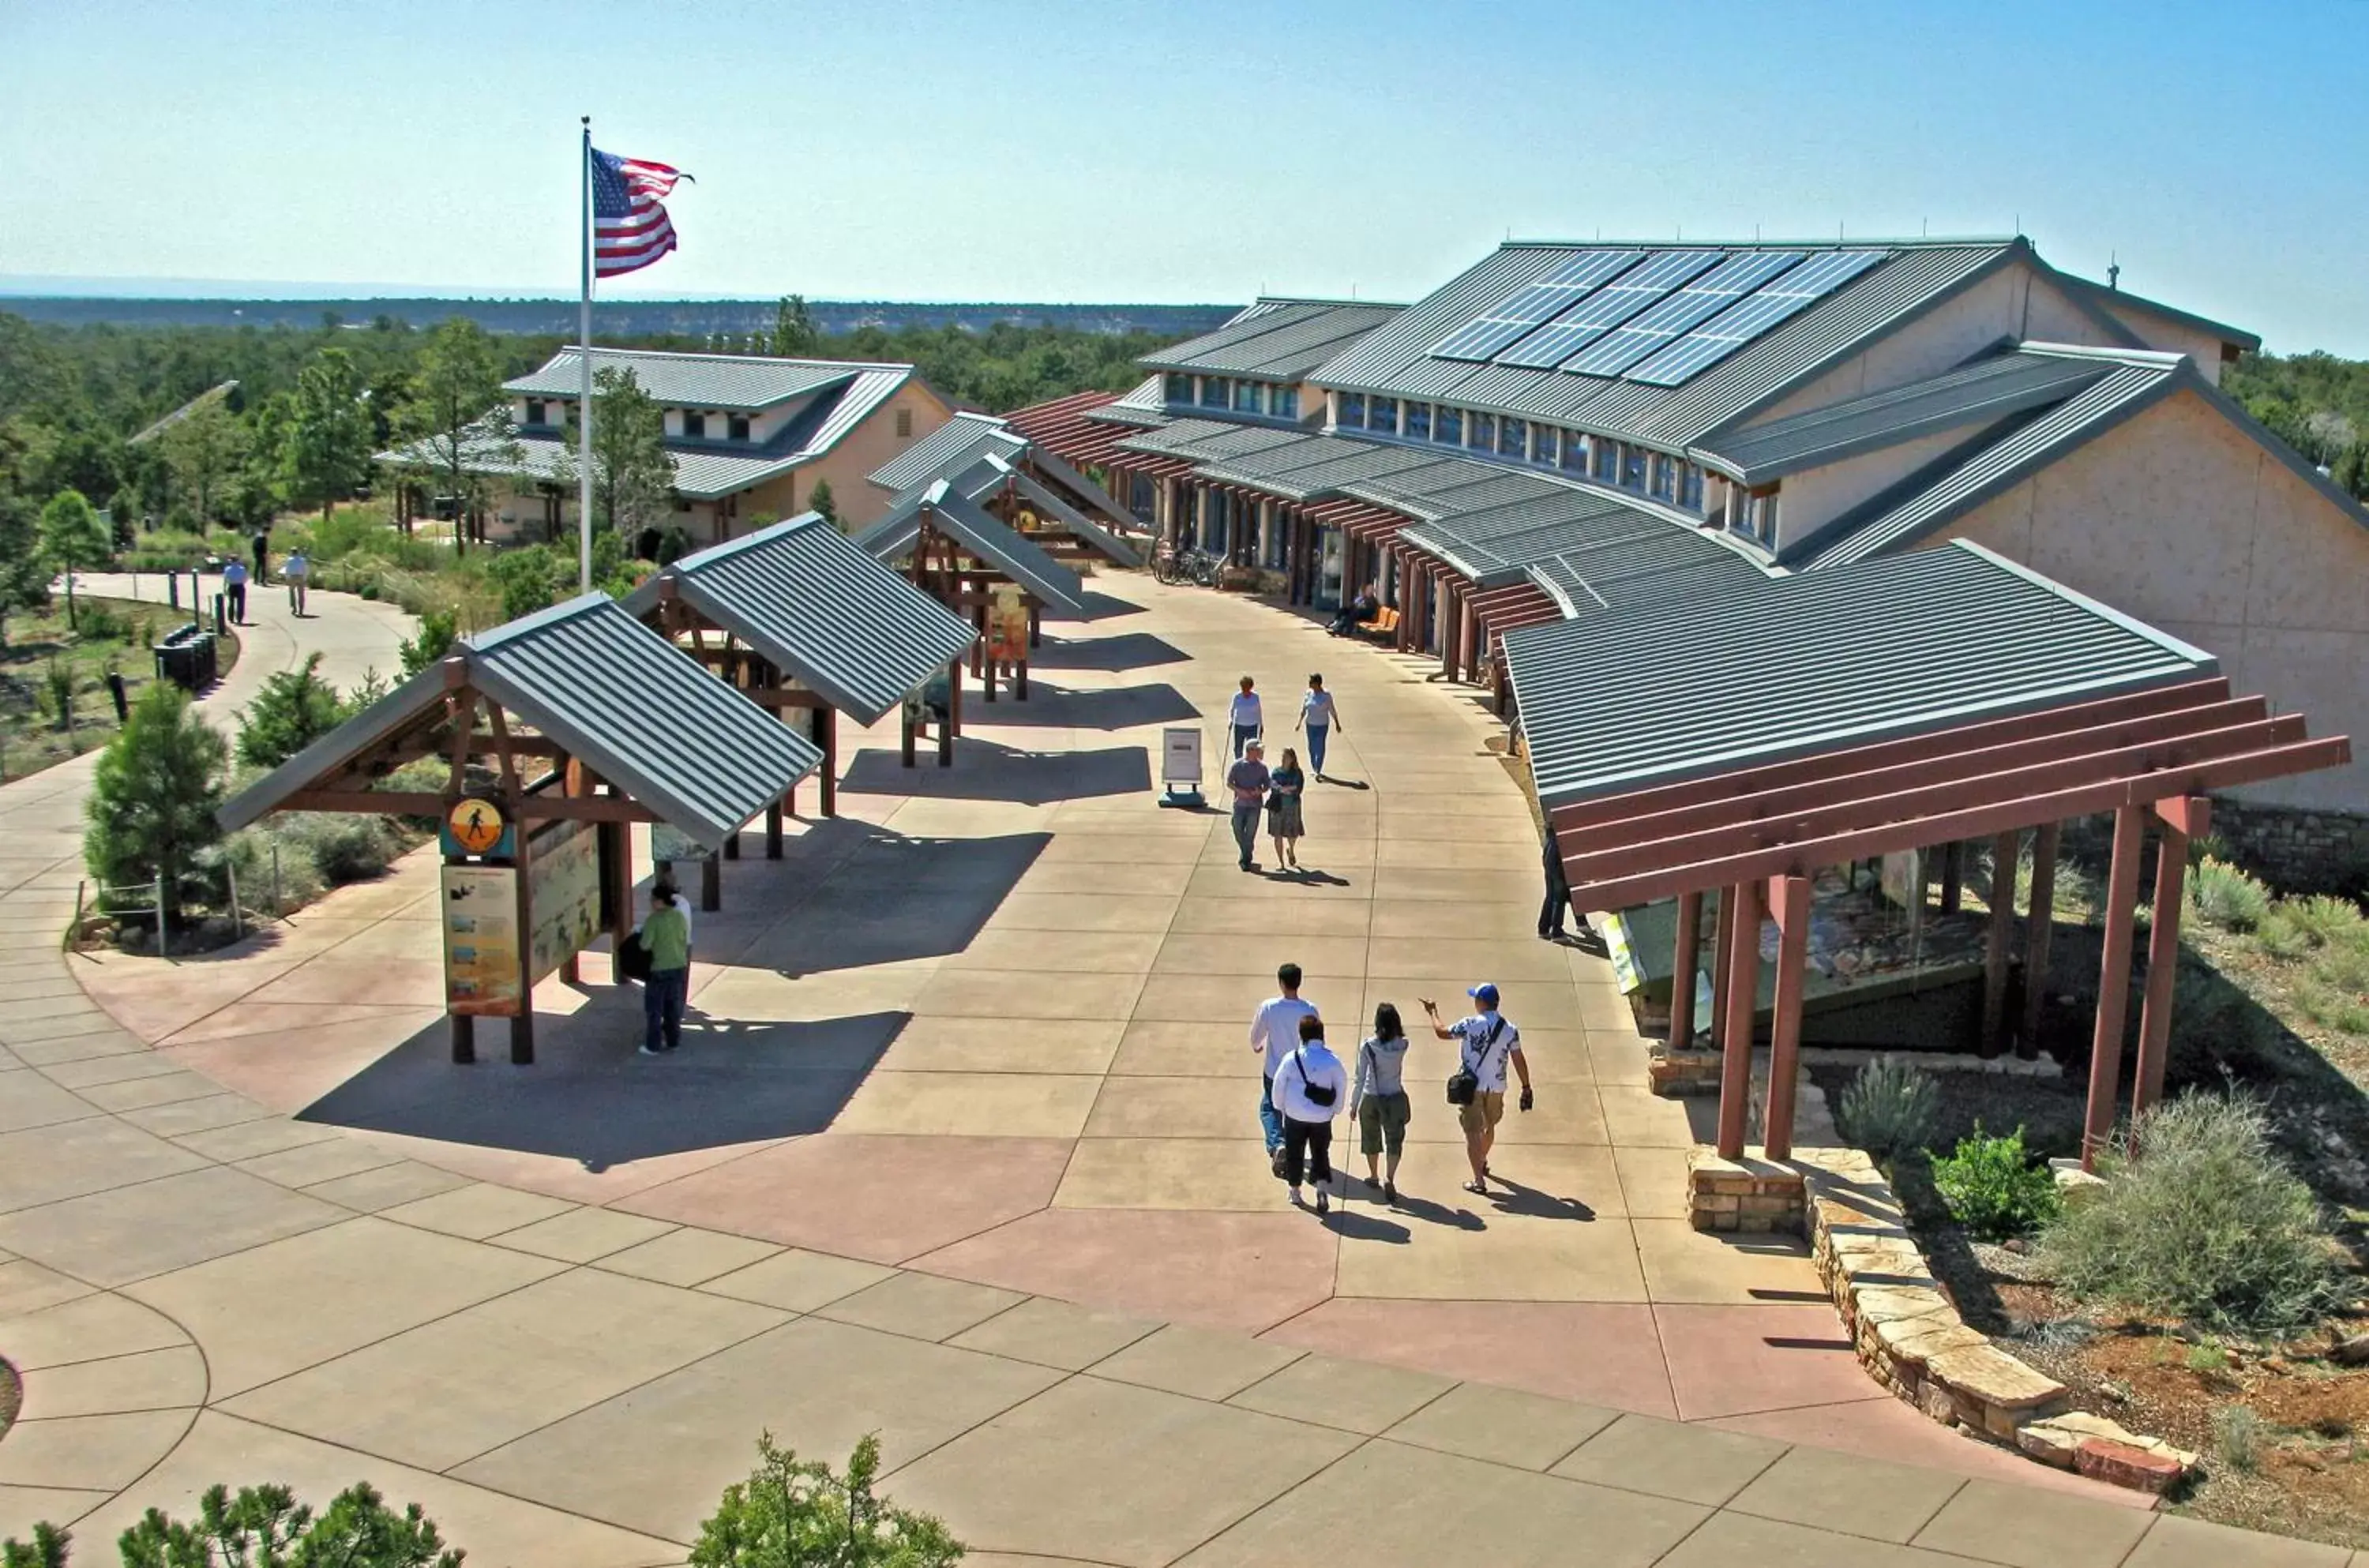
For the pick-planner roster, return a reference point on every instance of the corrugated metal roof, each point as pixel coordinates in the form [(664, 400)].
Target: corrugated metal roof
[(951, 447), (696, 381), (1204, 440), (1019, 559), (1283, 341), (1903, 515), (1111, 544), (1789, 667), (1395, 358), (1991, 389), (805, 598), (1321, 465)]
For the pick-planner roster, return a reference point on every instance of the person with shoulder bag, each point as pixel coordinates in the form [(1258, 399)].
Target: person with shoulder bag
[(1486, 1042), (1378, 1103), (1309, 1085)]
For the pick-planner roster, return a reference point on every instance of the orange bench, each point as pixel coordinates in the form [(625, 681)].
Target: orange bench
[(1384, 627)]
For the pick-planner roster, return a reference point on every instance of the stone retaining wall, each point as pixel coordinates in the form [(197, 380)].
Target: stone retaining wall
[(2296, 850)]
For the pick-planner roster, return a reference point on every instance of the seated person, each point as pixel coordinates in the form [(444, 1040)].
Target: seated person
[(1357, 612)]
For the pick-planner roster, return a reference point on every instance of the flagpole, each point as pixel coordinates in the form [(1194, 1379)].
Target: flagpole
[(584, 407)]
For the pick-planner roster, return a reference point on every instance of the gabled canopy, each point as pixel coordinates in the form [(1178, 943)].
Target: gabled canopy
[(808, 601), (961, 517), (597, 684)]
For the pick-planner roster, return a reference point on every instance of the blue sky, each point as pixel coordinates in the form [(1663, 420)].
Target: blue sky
[(1110, 151)]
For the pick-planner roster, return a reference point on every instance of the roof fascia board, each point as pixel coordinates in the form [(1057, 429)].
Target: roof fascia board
[(2299, 466), (2236, 337), (341, 746)]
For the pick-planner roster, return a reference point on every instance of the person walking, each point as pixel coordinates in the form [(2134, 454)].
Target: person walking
[(1309, 1084), (1243, 716), (235, 590), (296, 571), (263, 560), (1248, 779), (1285, 823), (1320, 716), (1485, 1041), (1558, 899), (666, 933), (1379, 1102), (1275, 1030)]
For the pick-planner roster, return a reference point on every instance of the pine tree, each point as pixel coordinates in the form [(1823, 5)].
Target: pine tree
[(153, 796), (74, 539)]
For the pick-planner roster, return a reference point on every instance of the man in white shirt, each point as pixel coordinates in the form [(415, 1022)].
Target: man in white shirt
[(1244, 716), (1275, 1035), (1485, 1042)]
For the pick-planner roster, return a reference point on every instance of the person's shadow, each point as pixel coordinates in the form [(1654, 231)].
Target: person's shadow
[(1308, 876)]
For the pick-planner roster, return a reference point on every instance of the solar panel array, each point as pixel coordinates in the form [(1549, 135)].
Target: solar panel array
[(1657, 316)]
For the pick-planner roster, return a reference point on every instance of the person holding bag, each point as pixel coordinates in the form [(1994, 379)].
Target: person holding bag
[(1309, 1085), (1284, 824), (1379, 1102), (1487, 1042)]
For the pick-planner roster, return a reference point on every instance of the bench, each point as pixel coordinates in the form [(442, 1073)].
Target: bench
[(1383, 627)]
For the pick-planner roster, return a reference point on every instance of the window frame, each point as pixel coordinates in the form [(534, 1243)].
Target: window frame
[(1349, 411), (1219, 385), (1575, 453), (1414, 421), (1513, 439), (1480, 431), (694, 424), (538, 411), (1446, 425), (1283, 403), (1377, 419), (1176, 388), (1250, 396), (735, 426)]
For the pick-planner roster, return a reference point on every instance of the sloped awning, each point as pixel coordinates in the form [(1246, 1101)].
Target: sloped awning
[(587, 680), (1004, 548), (811, 603), (1081, 528)]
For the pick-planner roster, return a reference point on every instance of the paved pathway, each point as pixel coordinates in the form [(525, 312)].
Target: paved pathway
[(555, 1304)]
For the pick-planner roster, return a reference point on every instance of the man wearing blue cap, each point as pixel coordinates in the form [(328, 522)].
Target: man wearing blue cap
[(1485, 1043)]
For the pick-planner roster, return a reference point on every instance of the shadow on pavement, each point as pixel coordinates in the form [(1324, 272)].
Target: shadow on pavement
[(1098, 606), (1121, 707), (590, 1098), (895, 899), (1133, 650), (985, 770)]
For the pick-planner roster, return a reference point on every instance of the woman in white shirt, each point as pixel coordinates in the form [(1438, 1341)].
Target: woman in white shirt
[(1244, 716), (1320, 717), (1309, 1085)]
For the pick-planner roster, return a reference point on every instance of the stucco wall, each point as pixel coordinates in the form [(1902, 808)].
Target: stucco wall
[(2171, 336), (866, 447), (2179, 516), (1815, 497)]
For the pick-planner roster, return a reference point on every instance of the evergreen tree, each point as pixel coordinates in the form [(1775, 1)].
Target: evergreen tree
[(296, 708), (24, 578), (153, 796), (2352, 474), (328, 432), (633, 475), (823, 501), (203, 449), (794, 336), (458, 412), (797, 1514), (73, 540)]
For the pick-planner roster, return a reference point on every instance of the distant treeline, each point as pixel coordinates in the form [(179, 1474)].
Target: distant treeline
[(625, 318)]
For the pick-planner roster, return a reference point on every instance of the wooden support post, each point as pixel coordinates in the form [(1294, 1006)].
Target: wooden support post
[(522, 858), (2113, 982), (1743, 998), (905, 726), (826, 723), (1722, 933), (1686, 955), (617, 862), (1954, 870), (2163, 958), (711, 884), (1995, 943), (1790, 896), (2036, 932), (773, 830), (464, 1039), (948, 725), (1035, 639)]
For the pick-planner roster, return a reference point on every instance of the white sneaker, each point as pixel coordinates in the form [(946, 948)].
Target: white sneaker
[(647, 1051), (1296, 1201)]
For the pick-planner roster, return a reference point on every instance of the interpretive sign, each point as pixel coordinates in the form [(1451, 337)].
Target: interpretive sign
[(563, 890), (481, 942), (476, 827)]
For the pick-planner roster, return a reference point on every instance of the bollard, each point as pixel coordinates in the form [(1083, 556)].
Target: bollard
[(163, 935), (123, 703), (238, 922), (173, 588), (276, 910), (220, 627)]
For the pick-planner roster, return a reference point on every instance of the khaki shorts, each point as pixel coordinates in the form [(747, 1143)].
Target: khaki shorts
[(1487, 1109), (1382, 1120)]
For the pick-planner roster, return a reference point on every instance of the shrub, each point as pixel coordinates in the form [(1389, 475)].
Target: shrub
[(438, 631), (2198, 1219), (100, 624), (153, 796), (2236, 1436), (342, 848), (58, 678), (263, 1525), (793, 1513), (1889, 1109), (296, 708), (2282, 934), (2223, 896), (2332, 1007), (2327, 920), (249, 855), (1992, 1186), (532, 577)]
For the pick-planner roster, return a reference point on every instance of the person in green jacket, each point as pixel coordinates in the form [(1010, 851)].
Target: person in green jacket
[(666, 934)]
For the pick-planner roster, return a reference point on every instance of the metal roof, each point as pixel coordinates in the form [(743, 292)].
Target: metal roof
[(951, 447), (1395, 358), (1020, 558), (1787, 667), (632, 707), (1085, 530), (809, 601), (696, 381), (1277, 339), (1983, 392), (2110, 298)]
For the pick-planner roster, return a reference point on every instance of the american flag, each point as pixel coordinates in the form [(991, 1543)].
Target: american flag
[(630, 228)]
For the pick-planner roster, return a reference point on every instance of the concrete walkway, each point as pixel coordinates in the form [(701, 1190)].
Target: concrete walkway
[(919, 1171)]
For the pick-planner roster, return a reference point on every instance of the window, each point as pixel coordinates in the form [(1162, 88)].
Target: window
[(1178, 388), (1513, 438), (1417, 424), (1283, 402), (1277, 536), (1632, 468), (536, 413), (1448, 426), (694, 424), (1481, 432), (1350, 414), (735, 426), (1213, 392), (1543, 444), (904, 426), (1665, 478), (1383, 415), (1607, 459), (1247, 398), (1574, 454), (1690, 490)]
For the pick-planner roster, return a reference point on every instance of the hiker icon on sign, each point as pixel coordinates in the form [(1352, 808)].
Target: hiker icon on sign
[(475, 825)]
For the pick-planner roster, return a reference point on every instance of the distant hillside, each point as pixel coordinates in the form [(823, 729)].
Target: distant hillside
[(621, 318)]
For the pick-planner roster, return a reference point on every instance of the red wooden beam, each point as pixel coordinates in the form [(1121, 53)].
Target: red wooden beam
[(1789, 899), (2113, 981), (2226, 772), (1884, 753), (1742, 1001)]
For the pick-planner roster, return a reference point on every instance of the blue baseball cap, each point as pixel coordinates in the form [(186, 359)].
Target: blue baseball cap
[(1484, 994)]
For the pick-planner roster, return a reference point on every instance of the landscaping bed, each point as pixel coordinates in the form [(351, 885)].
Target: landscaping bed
[(44, 655)]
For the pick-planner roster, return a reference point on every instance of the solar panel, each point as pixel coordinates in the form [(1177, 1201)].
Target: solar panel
[(1617, 301), (1780, 301), (1538, 301), (1697, 302)]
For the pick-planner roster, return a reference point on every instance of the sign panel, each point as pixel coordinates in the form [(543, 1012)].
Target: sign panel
[(481, 941), (1180, 756), (669, 845), (1624, 957), (1007, 624), (476, 827), (564, 891)]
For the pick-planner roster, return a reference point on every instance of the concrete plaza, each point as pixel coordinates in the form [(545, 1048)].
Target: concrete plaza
[(960, 1149)]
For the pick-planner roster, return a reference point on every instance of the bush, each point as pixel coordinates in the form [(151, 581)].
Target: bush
[(2282, 934), (2198, 1219), (342, 847), (296, 708), (263, 1525), (153, 796), (1992, 1186), (2223, 896), (248, 855), (439, 629), (2327, 920), (2236, 1434), (793, 1513), (1889, 1109), (100, 624)]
